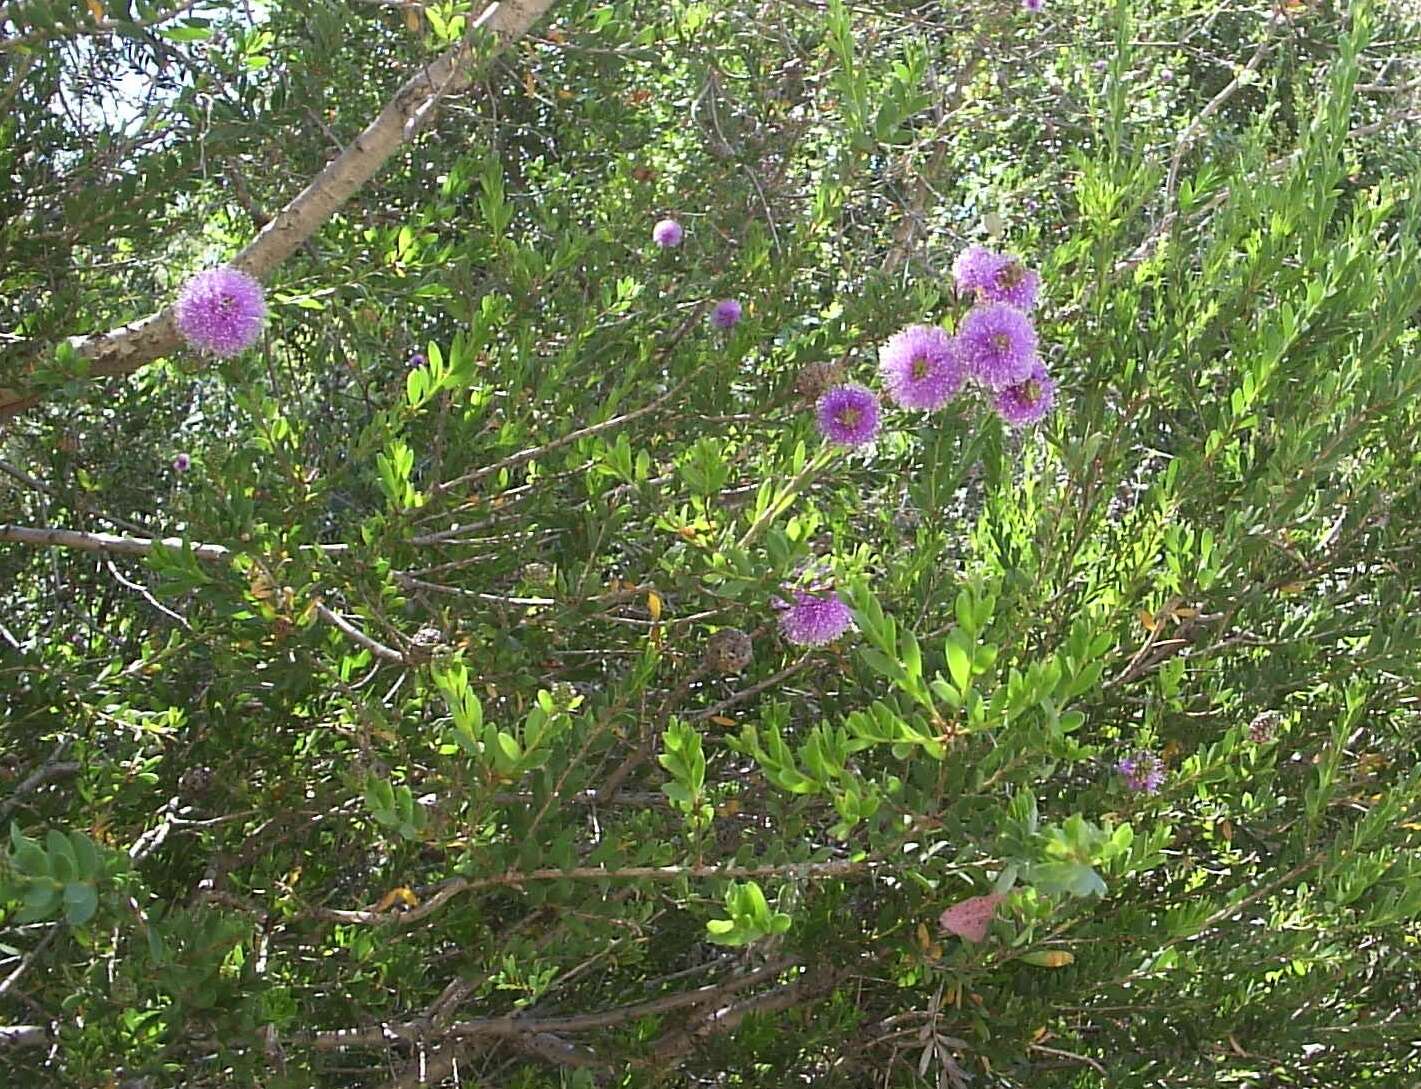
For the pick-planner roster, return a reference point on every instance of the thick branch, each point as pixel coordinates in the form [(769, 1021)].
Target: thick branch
[(122, 351), (109, 542), (23, 1036)]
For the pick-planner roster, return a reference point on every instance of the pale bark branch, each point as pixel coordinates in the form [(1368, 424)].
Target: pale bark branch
[(23, 1036), (110, 543), (374, 646), (123, 350)]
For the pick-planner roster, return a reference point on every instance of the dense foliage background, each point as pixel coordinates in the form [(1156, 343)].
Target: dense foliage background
[(410, 765)]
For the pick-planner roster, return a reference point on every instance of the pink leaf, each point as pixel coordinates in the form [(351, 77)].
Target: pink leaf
[(969, 918)]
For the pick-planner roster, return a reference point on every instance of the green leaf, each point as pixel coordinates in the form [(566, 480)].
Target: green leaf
[(39, 902), (959, 663), (186, 33), (29, 857), (61, 856), (81, 900), (85, 854)]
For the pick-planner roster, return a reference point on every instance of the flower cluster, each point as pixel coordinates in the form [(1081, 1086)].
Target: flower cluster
[(667, 234), (923, 367), (998, 337)]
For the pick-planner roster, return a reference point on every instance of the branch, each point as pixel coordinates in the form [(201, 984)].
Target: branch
[(142, 546), (45, 773), (23, 1036), (523, 1024), (112, 543), (455, 887), (123, 350), (380, 650), (811, 986), (1243, 78)]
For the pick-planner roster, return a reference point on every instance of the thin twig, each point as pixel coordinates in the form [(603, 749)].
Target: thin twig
[(459, 885), (1191, 133), (374, 646)]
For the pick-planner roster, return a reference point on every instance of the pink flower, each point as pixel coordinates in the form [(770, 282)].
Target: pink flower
[(970, 918)]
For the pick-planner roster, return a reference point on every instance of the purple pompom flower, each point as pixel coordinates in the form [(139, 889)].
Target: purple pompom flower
[(667, 233), (1027, 402), (999, 343), (848, 415), (418, 359), (1033, 5), (974, 269), (182, 463), (221, 310), (1142, 771), (921, 367), (1013, 284), (812, 621), (726, 314), (995, 277)]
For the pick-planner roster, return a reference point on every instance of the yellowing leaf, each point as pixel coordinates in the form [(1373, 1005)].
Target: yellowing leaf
[(96, 9), (1049, 958), (263, 589), (722, 720), (653, 604), (413, 20), (1147, 620), (401, 894), (1291, 589)]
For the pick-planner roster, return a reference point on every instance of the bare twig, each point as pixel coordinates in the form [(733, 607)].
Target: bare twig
[(40, 486), (1191, 133), (374, 646), (514, 460), (1059, 1053), (14, 977), (525, 1023), (459, 885), (46, 773)]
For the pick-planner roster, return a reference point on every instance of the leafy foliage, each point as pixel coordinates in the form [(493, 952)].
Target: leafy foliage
[(401, 754)]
